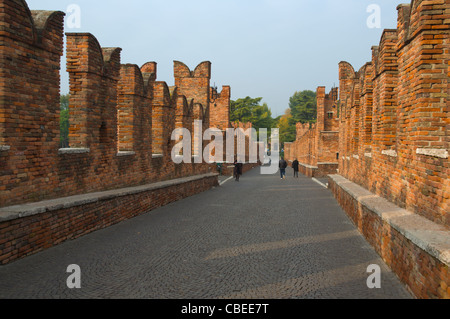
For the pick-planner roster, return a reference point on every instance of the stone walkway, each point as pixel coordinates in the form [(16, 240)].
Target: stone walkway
[(260, 238)]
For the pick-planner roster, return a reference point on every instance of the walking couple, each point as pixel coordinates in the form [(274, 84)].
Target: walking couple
[(283, 165)]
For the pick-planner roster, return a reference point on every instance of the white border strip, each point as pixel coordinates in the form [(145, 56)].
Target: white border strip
[(435, 152), (227, 180), (391, 153), (320, 183)]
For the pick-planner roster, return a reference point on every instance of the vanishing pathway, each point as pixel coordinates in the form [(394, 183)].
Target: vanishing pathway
[(260, 238)]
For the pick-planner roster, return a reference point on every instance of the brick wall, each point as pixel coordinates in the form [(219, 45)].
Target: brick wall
[(121, 117), (394, 125), (50, 223), (394, 142), (412, 246), (195, 85), (30, 49), (316, 145), (121, 124), (220, 109)]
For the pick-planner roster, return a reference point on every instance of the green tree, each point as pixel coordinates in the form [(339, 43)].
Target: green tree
[(250, 110), (303, 106), (242, 109), (287, 130), (64, 121), (262, 117)]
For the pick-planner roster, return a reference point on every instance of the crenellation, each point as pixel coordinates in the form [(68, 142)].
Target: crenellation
[(161, 109), (316, 144), (393, 123), (133, 110), (120, 114), (29, 129), (403, 113), (386, 129), (220, 108), (48, 26)]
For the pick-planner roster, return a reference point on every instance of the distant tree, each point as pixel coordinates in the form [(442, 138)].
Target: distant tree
[(303, 106), (64, 121), (242, 109), (262, 117), (250, 110), (287, 130)]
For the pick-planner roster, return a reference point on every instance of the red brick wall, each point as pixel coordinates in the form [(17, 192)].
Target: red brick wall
[(30, 51), (119, 114), (425, 275), (394, 127), (318, 143), (220, 109), (22, 237), (162, 117), (195, 85)]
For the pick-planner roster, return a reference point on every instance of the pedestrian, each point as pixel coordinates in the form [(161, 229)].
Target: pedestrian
[(237, 170), (283, 165), (295, 166)]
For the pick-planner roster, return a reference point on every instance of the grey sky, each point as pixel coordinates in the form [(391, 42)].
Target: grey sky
[(262, 48)]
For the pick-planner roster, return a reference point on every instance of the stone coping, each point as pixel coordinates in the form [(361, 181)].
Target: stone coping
[(63, 151), (429, 236), (25, 210), (434, 152), (125, 153), (318, 164), (309, 166), (391, 153)]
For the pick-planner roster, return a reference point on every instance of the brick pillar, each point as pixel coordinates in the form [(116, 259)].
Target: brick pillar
[(220, 109), (30, 55), (93, 74), (366, 107), (346, 79), (386, 83), (160, 109)]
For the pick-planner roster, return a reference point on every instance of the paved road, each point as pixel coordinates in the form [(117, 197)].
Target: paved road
[(260, 238)]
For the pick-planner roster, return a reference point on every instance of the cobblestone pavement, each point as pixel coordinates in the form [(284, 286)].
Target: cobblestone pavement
[(262, 237)]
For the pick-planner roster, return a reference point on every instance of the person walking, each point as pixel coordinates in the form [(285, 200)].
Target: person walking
[(283, 165), (295, 166), (237, 170)]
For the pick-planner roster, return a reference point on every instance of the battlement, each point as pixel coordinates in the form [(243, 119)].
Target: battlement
[(38, 28), (203, 70), (302, 128), (220, 108), (316, 144), (120, 116), (394, 111), (327, 111), (393, 141), (385, 57), (366, 75), (421, 16)]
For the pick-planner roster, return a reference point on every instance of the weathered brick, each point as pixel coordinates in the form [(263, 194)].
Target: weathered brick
[(316, 145)]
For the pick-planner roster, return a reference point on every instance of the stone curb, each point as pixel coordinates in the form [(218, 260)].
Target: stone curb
[(427, 235), (25, 210)]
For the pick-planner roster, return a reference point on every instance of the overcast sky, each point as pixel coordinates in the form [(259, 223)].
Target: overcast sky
[(261, 48)]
